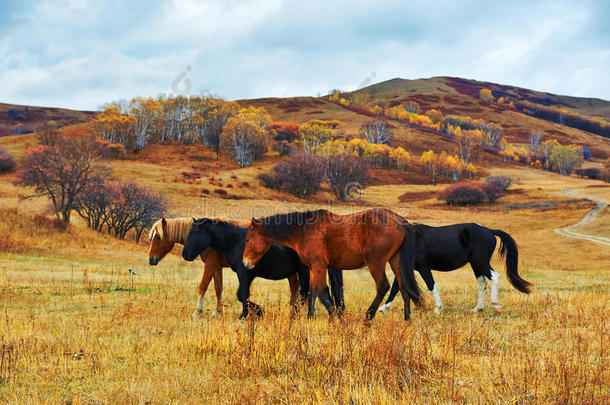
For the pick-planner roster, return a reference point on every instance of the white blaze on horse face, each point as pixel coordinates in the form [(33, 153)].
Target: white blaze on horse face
[(495, 277), (437, 300), (482, 281)]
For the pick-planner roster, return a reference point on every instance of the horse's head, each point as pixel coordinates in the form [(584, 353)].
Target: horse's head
[(160, 244), (198, 240), (257, 243)]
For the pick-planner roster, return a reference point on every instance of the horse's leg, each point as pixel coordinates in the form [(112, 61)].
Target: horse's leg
[(336, 287), (209, 268), (318, 288), (294, 291), (218, 290), (432, 287), (395, 265), (243, 295), (390, 300), (482, 282), (495, 277), (377, 271)]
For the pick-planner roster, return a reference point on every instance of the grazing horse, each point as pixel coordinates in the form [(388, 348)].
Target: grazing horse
[(324, 239), (278, 263), (448, 248), (164, 234)]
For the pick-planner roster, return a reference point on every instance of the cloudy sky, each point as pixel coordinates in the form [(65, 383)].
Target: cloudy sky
[(81, 54)]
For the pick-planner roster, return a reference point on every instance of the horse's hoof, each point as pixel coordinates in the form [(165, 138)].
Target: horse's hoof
[(477, 309), (497, 309), (384, 308), (217, 313), (437, 310), (196, 314)]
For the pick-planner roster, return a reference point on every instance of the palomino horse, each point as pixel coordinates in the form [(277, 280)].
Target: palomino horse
[(278, 263), (448, 248), (344, 242), (164, 234)]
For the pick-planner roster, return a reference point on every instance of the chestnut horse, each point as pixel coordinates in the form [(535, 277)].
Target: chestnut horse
[(166, 232), (345, 242)]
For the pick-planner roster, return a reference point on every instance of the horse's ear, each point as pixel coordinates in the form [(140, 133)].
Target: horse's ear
[(163, 224), (256, 221)]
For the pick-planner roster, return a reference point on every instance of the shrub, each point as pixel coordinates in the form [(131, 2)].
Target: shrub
[(504, 182), (345, 173), (7, 163), (284, 148), (492, 191), (462, 194), (591, 173), (300, 175)]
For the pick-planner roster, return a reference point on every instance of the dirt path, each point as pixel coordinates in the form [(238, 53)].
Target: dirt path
[(588, 218)]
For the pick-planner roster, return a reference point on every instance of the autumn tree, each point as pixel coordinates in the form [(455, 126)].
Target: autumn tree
[(147, 113), (134, 207), (485, 94), (114, 126), (376, 131), (94, 202), (468, 142), (313, 134), (245, 135), (59, 172), (565, 158), (435, 116), (49, 134)]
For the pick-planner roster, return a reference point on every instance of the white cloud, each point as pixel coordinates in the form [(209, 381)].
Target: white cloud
[(81, 54)]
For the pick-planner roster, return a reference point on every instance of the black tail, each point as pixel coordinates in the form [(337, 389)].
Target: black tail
[(508, 248), (407, 265)]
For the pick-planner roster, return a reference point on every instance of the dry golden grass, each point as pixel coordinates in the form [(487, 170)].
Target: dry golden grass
[(86, 332)]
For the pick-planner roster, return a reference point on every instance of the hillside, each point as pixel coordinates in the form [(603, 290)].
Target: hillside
[(19, 119)]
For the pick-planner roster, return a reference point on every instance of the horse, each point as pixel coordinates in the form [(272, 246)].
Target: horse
[(278, 263), (164, 234), (447, 248), (321, 238)]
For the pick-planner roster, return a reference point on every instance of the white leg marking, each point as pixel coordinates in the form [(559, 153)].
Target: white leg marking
[(197, 313), (482, 290), (386, 307), (495, 277), (437, 300)]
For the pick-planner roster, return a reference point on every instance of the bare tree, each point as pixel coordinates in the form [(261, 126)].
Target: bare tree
[(376, 131), (59, 172)]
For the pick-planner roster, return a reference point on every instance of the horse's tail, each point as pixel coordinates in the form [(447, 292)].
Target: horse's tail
[(508, 248), (407, 265)]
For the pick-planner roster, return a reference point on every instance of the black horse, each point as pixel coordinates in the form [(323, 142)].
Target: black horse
[(278, 263), (448, 248)]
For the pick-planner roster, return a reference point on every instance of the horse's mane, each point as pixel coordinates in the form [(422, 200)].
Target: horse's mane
[(220, 221), (177, 229), (280, 226)]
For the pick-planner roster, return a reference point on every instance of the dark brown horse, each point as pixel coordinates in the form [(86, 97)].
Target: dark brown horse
[(324, 239)]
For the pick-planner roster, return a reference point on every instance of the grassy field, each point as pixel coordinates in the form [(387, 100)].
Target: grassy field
[(75, 327), (83, 330)]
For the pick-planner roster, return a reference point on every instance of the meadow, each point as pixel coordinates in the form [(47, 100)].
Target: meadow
[(78, 328)]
